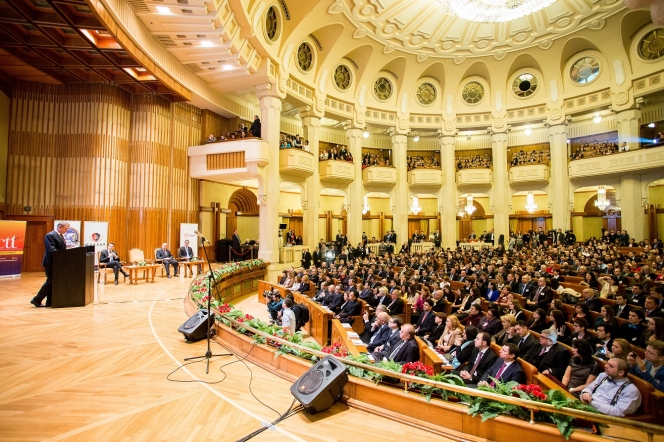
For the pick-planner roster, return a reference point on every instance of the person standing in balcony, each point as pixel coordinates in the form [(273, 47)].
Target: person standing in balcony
[(256, 127)]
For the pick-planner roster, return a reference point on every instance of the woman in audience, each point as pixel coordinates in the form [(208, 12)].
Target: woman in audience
[(507, 333), (582, 368), (438, 330), (506, 296), (590, 280), (609, 286), (464, 347), (451, 331), (620, 349), (557, 304), (449, 294), (557, 324), (607, 317), (515, 310), (492, 294), (653, 332), (581, 311), (538, 323)]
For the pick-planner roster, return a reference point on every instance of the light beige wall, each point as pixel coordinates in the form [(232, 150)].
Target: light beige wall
[(371, 227), (581, 198), (4, 143), (247, 227), (289, 201), (332, 203), (321, 229), (656, 195), (484, 202), (660, 225), (377, 205), (429, 205)]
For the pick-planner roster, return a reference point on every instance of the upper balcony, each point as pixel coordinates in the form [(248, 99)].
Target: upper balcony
[(379, 176), (473, 177), (619, 163), (296, 162), (425, 177), (336, 171), (228, 160), (529, 173)]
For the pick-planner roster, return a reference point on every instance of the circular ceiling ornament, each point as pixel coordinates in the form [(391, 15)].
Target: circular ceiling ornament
[(524, 85), (342, 77), (383, 88), (426, 94), (304, 57), (651, 47), (271, 24), (584, 70), (494, 11), (473, 92)]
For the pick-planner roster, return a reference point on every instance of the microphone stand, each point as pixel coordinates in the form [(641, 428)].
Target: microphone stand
[(208, 354)]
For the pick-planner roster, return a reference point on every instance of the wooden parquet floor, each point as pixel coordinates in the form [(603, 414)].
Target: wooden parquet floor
[(99, 373)]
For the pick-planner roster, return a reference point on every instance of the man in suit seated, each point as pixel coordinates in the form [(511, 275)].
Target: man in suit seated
[(550, 357), (167, 259), (652, 369), (395, 305), (524, 340), (480, 361), (351, 308), (621, 309), (111, 259), (393, 339), (407, 350), (426, 321), (186, 253), (541, 296), (592, 300), (376, 334), (506, 368)]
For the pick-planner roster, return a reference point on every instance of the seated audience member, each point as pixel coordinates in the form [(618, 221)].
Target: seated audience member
[(633, 330), (506, 368), (538, 323), (654, 331), (394, 338), (211, 138), (426, 321), (490, 323), (463, 348), (507, 334), (603, 341), (480, 361), (580, 331), (111, 259), (407, 350), (350, 308), (524, 340), (652, 369), (438, 329), (612, 393), (274, 305), (395, 305), (452, 330), (376, 333), (550, 357), (474, 317), (168, 260), (582, 369)]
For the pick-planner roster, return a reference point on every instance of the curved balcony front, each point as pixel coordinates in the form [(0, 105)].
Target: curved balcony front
[(334, 171), (474, 177), (425, 178), (529, 173), (379, 176), (228, 160), (296, 162), (651, 159)]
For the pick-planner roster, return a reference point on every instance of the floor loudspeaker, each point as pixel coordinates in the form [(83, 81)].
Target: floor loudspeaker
[(196, 326), (320, 387)]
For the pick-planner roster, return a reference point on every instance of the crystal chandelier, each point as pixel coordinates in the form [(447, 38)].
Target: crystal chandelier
[(530, 203), (415, 207), (365, 209), (602, 203), (491, 11), (470, 207)]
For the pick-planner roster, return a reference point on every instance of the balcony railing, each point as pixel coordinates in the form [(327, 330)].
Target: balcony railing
[(529, 173), (296, 162), (226, 161), (336, 171), (620, 163), (470, 177), (379, 176), (425, 177)]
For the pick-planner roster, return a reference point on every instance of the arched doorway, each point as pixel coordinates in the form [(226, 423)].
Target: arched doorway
[(244, 214)]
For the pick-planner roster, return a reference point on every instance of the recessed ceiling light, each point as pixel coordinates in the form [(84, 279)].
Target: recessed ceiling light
[(206, 43), (164, 10), (228, 67)]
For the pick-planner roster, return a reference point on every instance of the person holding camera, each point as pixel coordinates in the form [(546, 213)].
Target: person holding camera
[(274, 304)]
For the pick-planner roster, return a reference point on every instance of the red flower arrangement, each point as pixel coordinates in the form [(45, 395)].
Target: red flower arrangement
[(534, 391), (224, 308), (335, 349), (246, 317), (417, 369)]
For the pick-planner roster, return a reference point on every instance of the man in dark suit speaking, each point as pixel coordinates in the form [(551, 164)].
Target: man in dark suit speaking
[(236, 247), (54, 241)]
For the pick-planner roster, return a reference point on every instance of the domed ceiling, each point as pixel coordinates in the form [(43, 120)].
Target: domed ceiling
[(427, 29)]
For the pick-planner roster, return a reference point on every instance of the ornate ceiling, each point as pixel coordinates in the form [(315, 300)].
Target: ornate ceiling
[(423, 28)]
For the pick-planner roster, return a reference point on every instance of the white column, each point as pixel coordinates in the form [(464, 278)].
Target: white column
[(356, 188), (630, 202), (501, 187), (559, 177), (401, 201), (627, 123), (312, 198), (269, 191), (449, 202)]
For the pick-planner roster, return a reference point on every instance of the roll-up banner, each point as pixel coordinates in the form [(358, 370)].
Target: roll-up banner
[(96, 233), (12, 241), (187, 233), (72, 235)]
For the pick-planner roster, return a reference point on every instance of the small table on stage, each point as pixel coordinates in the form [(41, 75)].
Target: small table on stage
[(148, 272), (188, 267)]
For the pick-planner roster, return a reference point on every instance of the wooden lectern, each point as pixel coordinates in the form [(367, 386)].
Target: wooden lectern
[(73, 277)]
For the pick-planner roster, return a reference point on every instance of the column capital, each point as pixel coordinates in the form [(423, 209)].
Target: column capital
[(264, 90), (558, 129), (628, 115), (499, 136), (309, 112)]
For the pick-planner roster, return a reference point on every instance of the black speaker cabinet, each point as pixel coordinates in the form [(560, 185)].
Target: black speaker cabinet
[(320, 387), (196, 327)]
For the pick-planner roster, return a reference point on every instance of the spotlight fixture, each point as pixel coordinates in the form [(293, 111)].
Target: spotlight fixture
[(651, 125), (365, 134), (528, 131), (597, 118), (416, 138), (163, 10)]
